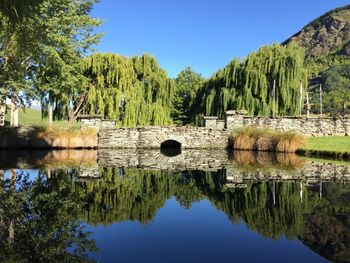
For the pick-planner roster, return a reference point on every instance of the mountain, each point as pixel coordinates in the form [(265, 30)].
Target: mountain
[(328, 35)]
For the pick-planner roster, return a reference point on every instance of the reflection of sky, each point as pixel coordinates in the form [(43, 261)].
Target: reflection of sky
[(29, 173), (199, 234)]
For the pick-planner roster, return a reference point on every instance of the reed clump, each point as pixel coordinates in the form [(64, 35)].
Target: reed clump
[(68, 138), (257, 139), (47, 137)]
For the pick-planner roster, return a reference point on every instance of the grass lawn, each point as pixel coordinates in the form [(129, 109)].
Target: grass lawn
[(331, 144), (32, 117)]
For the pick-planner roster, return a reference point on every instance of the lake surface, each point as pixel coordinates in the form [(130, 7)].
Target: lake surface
[(193, 206)]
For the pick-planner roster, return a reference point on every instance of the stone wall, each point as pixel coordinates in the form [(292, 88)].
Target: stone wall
[(303, 125), (96, 121), (153, 137), (211, 122), (215, 134), (309, 172), (151, 159)]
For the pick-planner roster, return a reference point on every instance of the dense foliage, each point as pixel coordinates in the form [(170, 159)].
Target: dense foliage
[(188, 83), (337, 89), (41, 49), (135, 91), (249, 84)]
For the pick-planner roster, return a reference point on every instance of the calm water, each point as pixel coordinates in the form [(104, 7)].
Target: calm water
[(149, 207)]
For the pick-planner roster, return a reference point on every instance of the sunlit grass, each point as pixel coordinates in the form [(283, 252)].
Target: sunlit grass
[(339, 144), (32, 117)]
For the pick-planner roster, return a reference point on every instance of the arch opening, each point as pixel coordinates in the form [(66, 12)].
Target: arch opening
[(170, 148)]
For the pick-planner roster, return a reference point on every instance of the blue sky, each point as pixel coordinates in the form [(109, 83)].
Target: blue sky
[(203, 34)]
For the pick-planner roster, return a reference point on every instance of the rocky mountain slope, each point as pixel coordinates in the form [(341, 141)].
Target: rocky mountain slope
[(327, 35)]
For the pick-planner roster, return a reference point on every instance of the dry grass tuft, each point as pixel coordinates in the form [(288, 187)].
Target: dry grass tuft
[(69, 138), (289, 141), (251, 138)]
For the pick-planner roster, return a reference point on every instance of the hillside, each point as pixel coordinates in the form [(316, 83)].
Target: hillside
[(326, 35)]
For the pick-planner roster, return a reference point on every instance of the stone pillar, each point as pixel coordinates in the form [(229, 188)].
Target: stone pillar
[(210, 122), (91, 121), (108, 124), (234, 119), (220, 124)]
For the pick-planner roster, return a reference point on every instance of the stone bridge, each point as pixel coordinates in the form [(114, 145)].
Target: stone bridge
[(157, 137), (215, 134)]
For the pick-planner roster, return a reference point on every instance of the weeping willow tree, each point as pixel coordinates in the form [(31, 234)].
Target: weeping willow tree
[(249, 84), (135, 91)]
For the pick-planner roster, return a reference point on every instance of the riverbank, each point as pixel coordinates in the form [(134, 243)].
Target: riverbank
[(258, 139), (247, 138), (28, 137), (327, 147)]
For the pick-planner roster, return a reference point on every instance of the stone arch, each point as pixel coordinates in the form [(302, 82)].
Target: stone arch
[(169, 136), (171, 144), (170, 148)]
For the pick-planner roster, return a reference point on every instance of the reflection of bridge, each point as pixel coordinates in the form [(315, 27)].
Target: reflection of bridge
[(239, 166)]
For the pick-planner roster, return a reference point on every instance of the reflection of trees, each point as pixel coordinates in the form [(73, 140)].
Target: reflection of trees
[(44, 212), (327, 228), (291, 209), (126, 195), (134, 194), (273, 209), (39, 221)]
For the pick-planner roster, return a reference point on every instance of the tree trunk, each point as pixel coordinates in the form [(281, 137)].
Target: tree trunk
[(13, 179), (50, 109), (14, 111), (2, 113), (1, 209), (74, 113)]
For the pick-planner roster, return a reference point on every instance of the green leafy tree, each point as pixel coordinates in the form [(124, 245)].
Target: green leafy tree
[(337, 89), (41, 52), (134, 91), (249, 84), (188, 83), (17, 10)]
